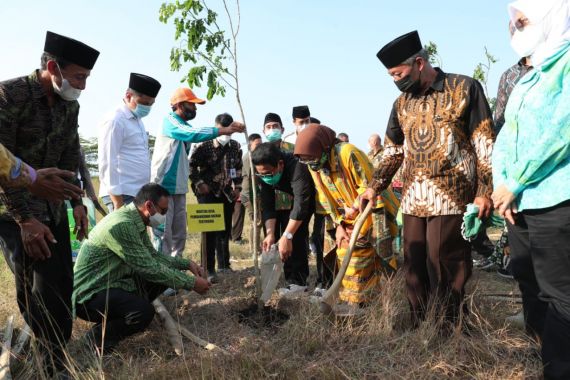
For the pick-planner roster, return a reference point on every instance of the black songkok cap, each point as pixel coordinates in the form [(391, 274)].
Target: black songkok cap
[(144, 84), (71, 50), (301, 112), (314, 120), (272, 118), (400, 49)]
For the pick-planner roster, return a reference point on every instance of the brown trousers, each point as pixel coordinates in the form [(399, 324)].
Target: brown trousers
[(437, 264)]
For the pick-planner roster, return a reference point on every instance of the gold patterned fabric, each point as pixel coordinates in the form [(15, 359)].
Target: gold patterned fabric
[(444, 139), (338, 188), (13, 172)]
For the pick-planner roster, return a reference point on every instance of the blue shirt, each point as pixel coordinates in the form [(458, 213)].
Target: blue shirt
[(532, 153)]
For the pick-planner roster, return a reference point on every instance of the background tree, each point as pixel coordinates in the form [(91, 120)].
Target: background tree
[(212, 56), (481, 73), (434, 57), (90, 147)]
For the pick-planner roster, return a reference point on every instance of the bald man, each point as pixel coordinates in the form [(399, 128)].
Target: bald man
[(376, 149)]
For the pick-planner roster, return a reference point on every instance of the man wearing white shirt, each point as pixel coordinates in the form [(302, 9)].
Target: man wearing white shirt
[(124, 159)]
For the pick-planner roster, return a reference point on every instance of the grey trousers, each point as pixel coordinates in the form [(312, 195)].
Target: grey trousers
[(173, 238)]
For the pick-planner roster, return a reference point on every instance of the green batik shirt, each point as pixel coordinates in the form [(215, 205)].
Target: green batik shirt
[(40, 135), (118, 253)]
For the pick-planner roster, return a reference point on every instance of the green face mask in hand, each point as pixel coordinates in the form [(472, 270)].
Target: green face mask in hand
[(272, 179)]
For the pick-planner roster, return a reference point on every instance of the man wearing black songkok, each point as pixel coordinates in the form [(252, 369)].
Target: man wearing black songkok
[(38, 123), (124, 158), (441, 129)]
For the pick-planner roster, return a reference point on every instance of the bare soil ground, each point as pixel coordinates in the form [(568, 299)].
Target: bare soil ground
[(378, 345)]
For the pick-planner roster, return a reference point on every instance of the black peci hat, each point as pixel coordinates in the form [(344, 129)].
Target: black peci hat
[(144, 84), (272, 118), (301, 112), (71, 50), (400, 49)]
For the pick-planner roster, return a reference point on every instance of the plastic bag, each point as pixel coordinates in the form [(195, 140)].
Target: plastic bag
[(271, 268)]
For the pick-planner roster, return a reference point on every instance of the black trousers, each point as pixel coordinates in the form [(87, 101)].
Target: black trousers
[(296, 268), (43, 289), (218, 242), (318, 239), (482, 244), (238, 218), (540, 261), (118, 314), (437, 264)]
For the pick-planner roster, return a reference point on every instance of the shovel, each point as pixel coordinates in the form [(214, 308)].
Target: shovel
[(331, 295)]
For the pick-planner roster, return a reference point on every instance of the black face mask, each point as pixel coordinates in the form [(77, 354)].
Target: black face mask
[(189, 114), (408, 85)]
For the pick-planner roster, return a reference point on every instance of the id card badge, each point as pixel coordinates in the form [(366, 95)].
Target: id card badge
[(233, 173)]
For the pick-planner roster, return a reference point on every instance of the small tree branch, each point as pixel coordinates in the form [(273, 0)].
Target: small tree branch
[(238, 18), (231, 23), (172, 332)]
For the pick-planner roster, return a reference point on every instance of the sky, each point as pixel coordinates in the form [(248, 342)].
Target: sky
[(321, 53)]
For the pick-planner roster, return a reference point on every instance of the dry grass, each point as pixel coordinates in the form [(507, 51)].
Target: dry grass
[(378, 345)]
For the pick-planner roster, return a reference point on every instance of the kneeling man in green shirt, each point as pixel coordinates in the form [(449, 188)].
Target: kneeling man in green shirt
[(118, 273)]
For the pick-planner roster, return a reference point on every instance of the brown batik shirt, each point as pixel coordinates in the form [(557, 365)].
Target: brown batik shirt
[(41, 135), (444, 139), (218, 166)]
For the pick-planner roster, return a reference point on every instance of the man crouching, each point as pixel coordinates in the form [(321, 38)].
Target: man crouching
[(118, 273)]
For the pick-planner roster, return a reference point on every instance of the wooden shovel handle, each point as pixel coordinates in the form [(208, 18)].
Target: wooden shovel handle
[(332, 293)]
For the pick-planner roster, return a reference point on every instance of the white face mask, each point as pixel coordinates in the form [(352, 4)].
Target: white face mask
[(66, 91), (157, 219), (524, 42), (301, 127), (224, 139)]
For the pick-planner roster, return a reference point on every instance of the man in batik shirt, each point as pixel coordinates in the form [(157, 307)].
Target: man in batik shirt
[(440, 128)]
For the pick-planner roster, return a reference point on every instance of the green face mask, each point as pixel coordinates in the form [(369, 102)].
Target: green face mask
[(273, 179), (318, 164)]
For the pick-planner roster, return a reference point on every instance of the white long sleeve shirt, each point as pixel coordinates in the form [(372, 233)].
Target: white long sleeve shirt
[(124, 159)]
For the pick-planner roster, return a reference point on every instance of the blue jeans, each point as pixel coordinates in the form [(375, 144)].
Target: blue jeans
[(109, 203)]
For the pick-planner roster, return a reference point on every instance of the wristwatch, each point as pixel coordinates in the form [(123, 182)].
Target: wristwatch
[(288, 235)]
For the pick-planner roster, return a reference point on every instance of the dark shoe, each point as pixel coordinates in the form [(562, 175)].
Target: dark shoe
[(484, 263), (169, 292), (212, 278)]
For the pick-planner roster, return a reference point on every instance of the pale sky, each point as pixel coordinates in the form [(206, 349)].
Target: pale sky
[(291, 52)]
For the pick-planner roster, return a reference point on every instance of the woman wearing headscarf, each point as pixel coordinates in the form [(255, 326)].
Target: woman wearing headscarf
[(341, 172), (531, 175)]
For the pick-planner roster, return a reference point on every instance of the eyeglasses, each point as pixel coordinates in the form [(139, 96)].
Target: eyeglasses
[(159, 209), (265, 175)]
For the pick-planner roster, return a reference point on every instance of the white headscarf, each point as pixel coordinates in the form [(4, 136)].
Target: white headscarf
[(554, 18)]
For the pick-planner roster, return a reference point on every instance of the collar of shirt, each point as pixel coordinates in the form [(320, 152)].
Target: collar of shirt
[(178, 118), (521, 62), (127, 113), (437, 84), (217, 144), (38, 91), (135, 216)]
